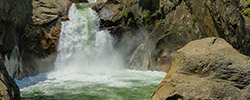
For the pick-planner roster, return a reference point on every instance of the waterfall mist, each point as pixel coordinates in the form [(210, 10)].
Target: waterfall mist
[(88, 67), (83, 47)]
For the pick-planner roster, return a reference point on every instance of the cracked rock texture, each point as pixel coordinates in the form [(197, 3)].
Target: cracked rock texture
[(41, 34), (8, 88), (29, 32), (158, 28), (206, 69)]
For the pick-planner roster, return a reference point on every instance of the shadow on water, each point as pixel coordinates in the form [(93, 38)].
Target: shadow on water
[(32, 80)]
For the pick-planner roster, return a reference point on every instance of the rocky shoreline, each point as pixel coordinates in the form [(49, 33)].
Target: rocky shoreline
[(155, 33)]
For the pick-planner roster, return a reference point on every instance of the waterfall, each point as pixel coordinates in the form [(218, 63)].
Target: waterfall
[(83, 47), (87, 67)]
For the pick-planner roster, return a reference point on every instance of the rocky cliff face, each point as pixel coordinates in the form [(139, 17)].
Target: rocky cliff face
[(245, 8), (8, 88), (207, 69), (160, 27), (29, 32), (41, 33), (12, 23)]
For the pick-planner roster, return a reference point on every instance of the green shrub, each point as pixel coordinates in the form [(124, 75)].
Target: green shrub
[(130, 20), (194, 19), (248, 2), (158, 23), (147, 16), (175, 25), (127, 16), (125, 12), (247, 12)]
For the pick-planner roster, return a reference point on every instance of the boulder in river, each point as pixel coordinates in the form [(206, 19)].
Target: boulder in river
[(207, 69)]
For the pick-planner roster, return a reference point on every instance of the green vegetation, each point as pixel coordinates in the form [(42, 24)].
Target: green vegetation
[(247, 12), (175, 25), (194, 19), (248, 2), (81, 6), (179, 29), (147, 16), (158, 23), (128, 16), (130, 20), (125, 12)]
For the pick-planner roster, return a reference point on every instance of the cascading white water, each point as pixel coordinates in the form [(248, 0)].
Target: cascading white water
[(88, 67), (83, 47)]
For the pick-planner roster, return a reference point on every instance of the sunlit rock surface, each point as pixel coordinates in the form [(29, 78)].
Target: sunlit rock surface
[(158, 28), (29, 32), (40, 39), (209, 68)]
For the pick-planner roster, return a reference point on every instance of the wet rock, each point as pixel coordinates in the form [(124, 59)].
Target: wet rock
[(29, 33), (170, 24), (14, 16), (206, 69), (8, 88), (41, 35)]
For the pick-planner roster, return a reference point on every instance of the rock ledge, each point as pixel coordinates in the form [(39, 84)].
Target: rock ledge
[(207, 69)]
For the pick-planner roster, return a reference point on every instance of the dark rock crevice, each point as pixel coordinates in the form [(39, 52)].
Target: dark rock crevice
[(9, 89), (175, 97)]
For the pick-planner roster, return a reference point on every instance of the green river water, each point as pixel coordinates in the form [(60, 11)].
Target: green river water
[(87, 67)]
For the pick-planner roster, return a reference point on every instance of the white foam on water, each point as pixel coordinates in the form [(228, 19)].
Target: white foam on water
[(83, 47), (92, 1), (86, 58), (123, 79)]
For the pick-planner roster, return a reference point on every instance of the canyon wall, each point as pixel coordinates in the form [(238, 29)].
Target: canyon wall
[(8, 89), (148, 32), (157, 28), (152, 29), (29, 32)]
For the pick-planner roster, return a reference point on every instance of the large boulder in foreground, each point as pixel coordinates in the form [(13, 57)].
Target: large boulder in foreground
[(8, 88), (207, 69)]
